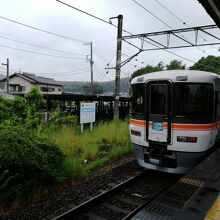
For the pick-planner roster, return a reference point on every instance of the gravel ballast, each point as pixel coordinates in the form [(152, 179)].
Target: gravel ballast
[(99, 180)]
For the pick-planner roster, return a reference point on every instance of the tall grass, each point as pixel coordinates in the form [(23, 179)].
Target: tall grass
[(91, 149)]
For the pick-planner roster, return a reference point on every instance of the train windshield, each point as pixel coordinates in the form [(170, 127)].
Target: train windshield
[(194, 100), (137, 99)]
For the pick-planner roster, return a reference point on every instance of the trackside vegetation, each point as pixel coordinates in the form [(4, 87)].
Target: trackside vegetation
[(91, 149), (36, 156)]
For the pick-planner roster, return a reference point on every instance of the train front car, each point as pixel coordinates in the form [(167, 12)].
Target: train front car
[(174, 118)]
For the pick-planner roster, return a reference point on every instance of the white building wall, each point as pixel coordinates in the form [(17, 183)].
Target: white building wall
[(19, 81), (52, 89)]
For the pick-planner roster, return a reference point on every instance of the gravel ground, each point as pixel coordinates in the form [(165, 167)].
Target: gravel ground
[(99, 180), (122, 202)]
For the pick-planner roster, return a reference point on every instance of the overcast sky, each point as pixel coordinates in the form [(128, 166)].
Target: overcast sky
[(68, 60)]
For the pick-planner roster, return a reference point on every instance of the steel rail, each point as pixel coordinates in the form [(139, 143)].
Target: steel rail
[(70, 213)]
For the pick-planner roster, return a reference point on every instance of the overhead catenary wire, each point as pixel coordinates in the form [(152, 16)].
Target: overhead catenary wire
[(184, 23), (127, 32), (100, 19), (163, 21), (151, 13), (178, 18)]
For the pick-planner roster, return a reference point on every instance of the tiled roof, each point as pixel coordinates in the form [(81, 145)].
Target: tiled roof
[(42, 80), (32, 78)]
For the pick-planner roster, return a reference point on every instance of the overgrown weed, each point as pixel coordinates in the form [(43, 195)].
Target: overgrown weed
[(89, 150)]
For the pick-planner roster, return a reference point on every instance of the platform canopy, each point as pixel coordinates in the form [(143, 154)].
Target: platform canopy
[(213, 9)]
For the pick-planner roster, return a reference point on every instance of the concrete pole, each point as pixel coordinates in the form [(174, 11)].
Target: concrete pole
[(118, 66), (7, 76), (91, 67)]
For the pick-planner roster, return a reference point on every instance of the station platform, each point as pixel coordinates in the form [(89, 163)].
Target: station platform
[(195, 196)]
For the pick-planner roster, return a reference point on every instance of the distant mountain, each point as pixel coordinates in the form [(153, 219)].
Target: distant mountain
[(107, 87), (1, 83), (82, 87), (2, 76)]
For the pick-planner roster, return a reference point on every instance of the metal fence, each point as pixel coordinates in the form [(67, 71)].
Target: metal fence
[(70, 103)]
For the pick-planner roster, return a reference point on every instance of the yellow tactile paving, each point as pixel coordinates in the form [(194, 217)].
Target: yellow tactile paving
[(214, 211)]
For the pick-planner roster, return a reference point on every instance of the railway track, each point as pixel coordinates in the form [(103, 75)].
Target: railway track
[(124, 200)]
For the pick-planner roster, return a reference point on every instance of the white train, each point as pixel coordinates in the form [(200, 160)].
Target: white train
[(175, 118)]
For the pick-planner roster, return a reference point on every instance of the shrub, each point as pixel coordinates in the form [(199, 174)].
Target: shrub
[(61, 118), (32, 162)]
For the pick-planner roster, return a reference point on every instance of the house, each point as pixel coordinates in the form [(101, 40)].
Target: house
[(22, 83)]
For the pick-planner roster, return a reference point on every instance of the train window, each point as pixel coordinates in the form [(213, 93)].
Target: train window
[(218, 105), (158, 99), (137, 99), (194, 100)]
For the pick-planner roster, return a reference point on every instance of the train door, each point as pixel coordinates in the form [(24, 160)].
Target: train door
[(158, 111)]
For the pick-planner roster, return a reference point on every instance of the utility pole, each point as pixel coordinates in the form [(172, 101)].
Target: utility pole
[(7, 77), (118, 65), (91, 66)]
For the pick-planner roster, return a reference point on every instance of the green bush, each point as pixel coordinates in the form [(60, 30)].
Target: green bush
[(60, 118), (32, 161), (23, 111)]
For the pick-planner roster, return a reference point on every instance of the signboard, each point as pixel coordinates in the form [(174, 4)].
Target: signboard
[(87, 113)]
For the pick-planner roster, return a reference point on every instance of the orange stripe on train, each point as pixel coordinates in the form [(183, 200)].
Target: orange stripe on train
[(194, 127), (137, 122)]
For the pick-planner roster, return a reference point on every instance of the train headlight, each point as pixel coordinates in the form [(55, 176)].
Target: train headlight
[(186, 139), (136, 133)]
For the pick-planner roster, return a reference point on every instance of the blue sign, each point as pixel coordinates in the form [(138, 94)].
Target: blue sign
[(87, 113), (157, 126)]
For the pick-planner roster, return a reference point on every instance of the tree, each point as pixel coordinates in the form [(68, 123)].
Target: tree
[(97, 88), (86, 88), (35, 97), (210, 64), (35, 103), (175, 65), (148, 69)]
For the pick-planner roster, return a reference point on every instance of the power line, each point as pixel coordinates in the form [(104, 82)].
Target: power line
[(72, 71), (73, 62), (57, 73), (51, 55), (45, 31), (69, 74), (91, 15), (104, 72), (100, 19), (84, 12), (34, 45)]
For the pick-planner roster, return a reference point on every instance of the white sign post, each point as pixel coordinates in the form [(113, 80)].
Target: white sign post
[(87, 114)]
